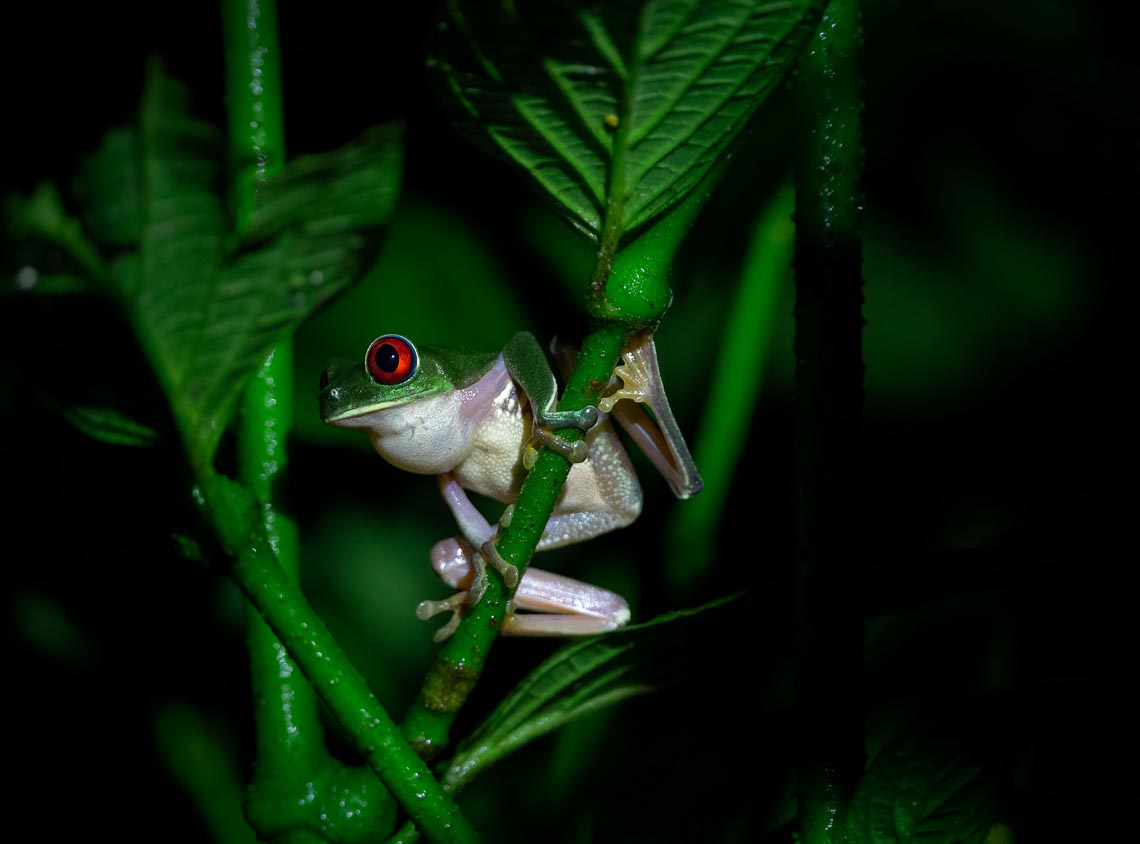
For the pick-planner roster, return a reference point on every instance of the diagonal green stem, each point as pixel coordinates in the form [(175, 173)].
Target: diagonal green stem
[(829, 395), (235, 515)]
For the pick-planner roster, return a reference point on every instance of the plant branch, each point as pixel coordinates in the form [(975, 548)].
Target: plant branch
[(290, 746), (299, 790), (829, 394), (235, 516)]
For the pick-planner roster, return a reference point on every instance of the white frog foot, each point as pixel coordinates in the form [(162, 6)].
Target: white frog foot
[(429, 609), (636, 379)]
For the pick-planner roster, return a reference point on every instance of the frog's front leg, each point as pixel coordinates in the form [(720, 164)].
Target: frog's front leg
[(553, 605), (600, 495), (529, 367)]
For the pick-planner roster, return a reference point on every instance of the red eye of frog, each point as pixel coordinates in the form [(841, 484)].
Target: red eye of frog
[(391, 359)]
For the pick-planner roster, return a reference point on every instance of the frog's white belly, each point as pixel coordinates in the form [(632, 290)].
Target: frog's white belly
[(493, 466)]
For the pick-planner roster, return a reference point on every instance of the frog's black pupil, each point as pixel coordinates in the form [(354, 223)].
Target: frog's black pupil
[(387, 358)]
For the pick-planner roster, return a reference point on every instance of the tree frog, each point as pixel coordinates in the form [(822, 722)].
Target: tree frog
[(473, 419)]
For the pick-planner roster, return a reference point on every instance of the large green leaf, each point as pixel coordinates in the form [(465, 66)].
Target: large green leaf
[(207, 307), (588, 675), (925, 786), (617, 109)]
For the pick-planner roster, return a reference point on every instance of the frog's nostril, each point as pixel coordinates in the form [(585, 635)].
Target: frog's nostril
[(324, 378)]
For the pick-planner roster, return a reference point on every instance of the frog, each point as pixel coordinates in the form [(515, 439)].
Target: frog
[(475, 420)]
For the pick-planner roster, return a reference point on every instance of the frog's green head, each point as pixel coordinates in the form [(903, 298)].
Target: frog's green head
[(392, 374)]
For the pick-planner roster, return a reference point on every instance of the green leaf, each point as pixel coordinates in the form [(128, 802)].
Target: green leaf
[(109, 425), (924, 786), (208, 309), (585, 676), (49, 248), (616, 109)]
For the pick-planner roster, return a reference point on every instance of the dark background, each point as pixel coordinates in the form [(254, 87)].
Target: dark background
[(1000, 193)]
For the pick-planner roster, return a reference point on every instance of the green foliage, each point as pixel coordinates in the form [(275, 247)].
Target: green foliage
[(207, 308), (585, 676), (109, 425), (617, 110), (985, 369), (925, 786)]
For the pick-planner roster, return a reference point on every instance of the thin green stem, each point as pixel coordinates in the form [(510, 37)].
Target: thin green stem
[(829, 393)]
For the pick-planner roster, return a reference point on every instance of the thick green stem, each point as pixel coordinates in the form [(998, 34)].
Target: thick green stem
[(290, 747), (829, 393), (299, 789)]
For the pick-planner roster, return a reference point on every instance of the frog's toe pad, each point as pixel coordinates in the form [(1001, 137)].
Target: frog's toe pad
[(509, 572), (429, 609), (588, 417)]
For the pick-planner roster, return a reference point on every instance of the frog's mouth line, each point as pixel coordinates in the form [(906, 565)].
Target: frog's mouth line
[(333, 394)]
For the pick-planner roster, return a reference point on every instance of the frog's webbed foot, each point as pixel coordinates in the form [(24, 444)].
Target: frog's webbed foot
[(636, 374), (488, 553), (654, 430), (454, 605), (462, 568)]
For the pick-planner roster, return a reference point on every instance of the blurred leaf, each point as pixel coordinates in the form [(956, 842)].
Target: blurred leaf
[(41, 232), (745, 340), (618, 109), (208, 309), (48, 625), (109, 425), (924, 786), (110, 183), (585, 676), (29, 280), (198, 758)]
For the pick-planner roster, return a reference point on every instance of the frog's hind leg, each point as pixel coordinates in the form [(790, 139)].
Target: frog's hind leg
[(478, 532), (600, 495), (545, 604)]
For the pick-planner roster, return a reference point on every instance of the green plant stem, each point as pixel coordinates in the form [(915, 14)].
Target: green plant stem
[(829, 394), (236, 518), (290, 747), (299, 789)]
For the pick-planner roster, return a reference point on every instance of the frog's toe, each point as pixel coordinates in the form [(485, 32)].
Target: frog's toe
[(509, 572), (429, 609)]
